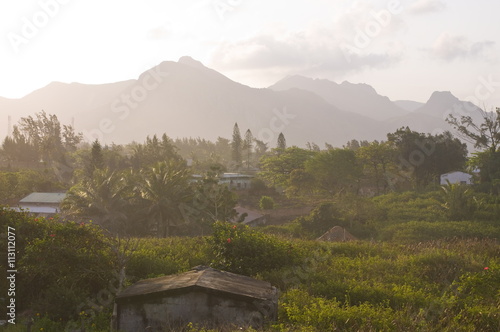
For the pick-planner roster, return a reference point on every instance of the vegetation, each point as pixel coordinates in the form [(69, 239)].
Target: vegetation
[(427, 258)]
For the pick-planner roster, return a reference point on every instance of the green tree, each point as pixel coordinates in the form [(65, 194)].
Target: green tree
[(281, 145), (163, 188), (96, 160), (377, 159), (485, 136), (18, 149), (335, 171), (211, 201), (153, 151), (277, 168), (45, 133), (236, 146), (103, 198), (248, 146), (423, 158), (260, 149)]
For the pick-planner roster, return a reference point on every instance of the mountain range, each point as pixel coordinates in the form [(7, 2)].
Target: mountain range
[(187, 99)]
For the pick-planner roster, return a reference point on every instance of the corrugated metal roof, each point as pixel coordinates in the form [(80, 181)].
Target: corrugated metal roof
[(203, 277), (53, 198)]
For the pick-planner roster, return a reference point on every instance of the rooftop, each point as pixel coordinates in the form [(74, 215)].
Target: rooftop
[(202, 277), (52, 198)]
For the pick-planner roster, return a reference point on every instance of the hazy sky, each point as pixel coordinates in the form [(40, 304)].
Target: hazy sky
[(406, 49)]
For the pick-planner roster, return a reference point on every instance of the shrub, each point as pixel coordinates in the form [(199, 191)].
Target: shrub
[(61, 264), (266, 203), (417, 231), (239, 249)]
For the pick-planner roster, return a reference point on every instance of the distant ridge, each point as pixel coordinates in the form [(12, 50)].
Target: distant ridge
[(187, 99)]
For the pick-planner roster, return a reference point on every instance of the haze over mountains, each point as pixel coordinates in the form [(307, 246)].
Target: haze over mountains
[(187, 99)]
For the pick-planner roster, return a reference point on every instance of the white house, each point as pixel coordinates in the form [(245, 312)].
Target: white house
[(236, 180), (42, 204), (456, 178)]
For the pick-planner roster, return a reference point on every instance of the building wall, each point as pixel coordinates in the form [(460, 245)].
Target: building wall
[(456, 177), (198, 307)]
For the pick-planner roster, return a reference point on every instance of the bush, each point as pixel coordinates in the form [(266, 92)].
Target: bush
[(417, 231), (266, 203), (61, 264), (240, 249)]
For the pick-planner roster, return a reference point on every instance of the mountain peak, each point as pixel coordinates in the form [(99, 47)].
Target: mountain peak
[(189, 61), (442, 96)]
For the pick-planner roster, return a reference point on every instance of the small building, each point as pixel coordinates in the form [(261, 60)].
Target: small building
[(236, 180), (203, 296), (250, 217), (456, 178), (42, 204), (337, 234)]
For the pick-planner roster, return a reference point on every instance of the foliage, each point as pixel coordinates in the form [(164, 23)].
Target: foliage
[(322, 218), (154, 151), (42, 136), (247, 147), (281, 144), (335, 171), (211, 202), (377, 159), (154, 257), (15, 185), (485, 135), (459, 202), (60, 264), (103, 198), (236, 146), (416, 231), (276, 168), (424, 157), (266, 203), (239, 249), (162, 189)]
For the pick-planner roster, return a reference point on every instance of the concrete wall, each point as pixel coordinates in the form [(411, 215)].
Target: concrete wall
[(199, 307)]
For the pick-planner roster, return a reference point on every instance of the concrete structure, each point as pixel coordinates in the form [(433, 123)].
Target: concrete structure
[(337, 234), (252, 217), (456, 178), (42, 204), (236, 180), (202, 296)]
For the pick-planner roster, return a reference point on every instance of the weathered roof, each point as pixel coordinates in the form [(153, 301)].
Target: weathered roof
[(251, 214), (235, 175), (52, 198), (454, 172), (203, 277)]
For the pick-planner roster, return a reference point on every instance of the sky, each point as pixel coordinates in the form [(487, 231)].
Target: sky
[(405, 49)]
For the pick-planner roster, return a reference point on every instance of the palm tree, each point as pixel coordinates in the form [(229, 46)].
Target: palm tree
[(163, 188), (102, 197)]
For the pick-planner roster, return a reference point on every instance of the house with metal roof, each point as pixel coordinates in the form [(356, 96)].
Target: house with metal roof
[(42, 204), (236, 180), (203, 296), (456, 178)]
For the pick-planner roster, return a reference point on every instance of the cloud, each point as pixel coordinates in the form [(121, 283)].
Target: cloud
[(158, 33), (448, 48), (426, 6), (365, 37)]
